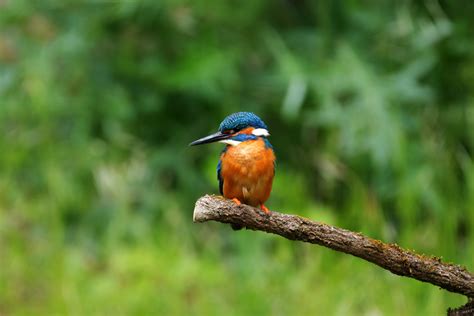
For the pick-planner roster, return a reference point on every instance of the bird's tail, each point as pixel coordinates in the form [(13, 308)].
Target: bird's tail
[(236, 226)]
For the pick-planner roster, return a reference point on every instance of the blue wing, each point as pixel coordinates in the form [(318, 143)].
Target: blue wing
[(219, 177), (269, 146)]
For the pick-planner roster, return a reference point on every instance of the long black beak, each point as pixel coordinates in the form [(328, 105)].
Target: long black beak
[(211, 139)]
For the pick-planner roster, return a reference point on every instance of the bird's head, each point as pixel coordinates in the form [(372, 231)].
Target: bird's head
[(236, 128)]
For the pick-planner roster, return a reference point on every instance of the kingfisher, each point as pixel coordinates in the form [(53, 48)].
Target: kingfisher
[(247, 164)]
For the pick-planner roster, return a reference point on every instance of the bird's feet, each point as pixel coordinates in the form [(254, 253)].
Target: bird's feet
[(236, 226), (264, 209), (236, 201)]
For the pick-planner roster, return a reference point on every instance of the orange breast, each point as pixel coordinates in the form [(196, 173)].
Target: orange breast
[(247, 171)]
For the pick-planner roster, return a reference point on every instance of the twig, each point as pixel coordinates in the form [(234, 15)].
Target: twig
[(465, 310), (451, 277)]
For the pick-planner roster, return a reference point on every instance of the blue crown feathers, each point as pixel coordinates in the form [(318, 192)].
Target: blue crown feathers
[(241, 120)]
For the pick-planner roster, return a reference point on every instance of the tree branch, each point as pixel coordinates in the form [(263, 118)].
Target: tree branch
[(391, 257)]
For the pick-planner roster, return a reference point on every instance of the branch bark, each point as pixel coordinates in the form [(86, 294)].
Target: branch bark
[(465, 310), (451, 277)]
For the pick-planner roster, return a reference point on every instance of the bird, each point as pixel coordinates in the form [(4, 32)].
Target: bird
[(246, 166)]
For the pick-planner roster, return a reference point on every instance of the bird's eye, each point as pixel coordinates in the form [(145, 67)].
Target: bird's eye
[(230, 131)]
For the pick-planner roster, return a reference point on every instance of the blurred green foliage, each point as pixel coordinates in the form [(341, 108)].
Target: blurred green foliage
[(371, 109)]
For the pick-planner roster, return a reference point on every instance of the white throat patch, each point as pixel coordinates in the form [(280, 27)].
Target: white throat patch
[(230, 142), (260, 132)]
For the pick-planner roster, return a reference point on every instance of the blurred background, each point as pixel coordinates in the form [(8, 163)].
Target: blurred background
[(370, 105)]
